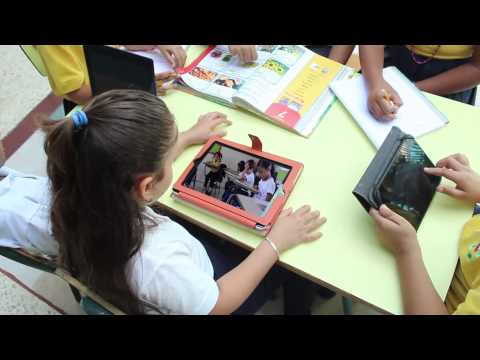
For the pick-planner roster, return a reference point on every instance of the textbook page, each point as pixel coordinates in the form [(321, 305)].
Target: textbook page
[(417, 116), (291, 88), (221, 75)]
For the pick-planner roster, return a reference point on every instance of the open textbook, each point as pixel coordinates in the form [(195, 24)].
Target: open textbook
[(287, 84), (417, 116)]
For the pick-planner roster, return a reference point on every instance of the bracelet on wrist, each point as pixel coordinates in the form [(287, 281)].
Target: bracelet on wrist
[(274, 247)]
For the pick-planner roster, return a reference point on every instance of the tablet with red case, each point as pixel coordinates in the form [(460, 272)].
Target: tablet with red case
[(290, 171)]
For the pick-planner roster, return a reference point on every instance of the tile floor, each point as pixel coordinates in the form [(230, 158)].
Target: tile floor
[(21, 89)]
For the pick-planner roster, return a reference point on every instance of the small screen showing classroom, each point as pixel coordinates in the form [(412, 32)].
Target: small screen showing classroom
[(238, 178)]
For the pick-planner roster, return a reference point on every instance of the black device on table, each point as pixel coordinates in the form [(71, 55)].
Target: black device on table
[(110, 68), (396, 178)]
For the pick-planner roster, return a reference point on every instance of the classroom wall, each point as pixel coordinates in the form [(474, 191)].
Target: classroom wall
[(231, 158)]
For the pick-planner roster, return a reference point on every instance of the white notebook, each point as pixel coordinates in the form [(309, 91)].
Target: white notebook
[(417, 116), (160, 63)]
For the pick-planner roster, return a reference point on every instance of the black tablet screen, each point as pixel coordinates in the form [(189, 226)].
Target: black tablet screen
[(406, 188)]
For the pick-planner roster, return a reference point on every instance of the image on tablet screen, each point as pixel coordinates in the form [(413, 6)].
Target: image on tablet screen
[(238, 178)]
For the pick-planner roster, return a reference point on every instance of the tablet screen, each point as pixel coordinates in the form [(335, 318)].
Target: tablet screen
[(406, 188), (238, 178)]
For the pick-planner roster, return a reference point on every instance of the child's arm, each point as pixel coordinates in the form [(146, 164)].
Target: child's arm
[(458, 79), (371, 59), (291, 228), (201, 131), (80, 96), (175, 54), (418, 292), (341, 53), (65, 75), (457, 169), (398, 235)]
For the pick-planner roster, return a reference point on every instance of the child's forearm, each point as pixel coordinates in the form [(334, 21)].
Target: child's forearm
[(419, 295), (139, 47), (341, 53), (371, 60), (80, 96), (458, 79), (183, 142), (237, 285)]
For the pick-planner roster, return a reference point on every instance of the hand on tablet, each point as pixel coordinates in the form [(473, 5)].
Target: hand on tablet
[(396, 233), (206, 126), (246, 53), (296, 227), (383, 101), (457, 169)]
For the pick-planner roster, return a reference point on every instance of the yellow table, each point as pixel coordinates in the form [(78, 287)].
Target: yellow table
[(348, 258)]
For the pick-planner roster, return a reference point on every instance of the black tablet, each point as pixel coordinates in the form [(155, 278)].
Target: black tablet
[(396, 178), (110, 68)]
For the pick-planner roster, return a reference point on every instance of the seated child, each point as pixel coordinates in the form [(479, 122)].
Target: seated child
[(247, 177), (106, 165), (215, 174), (452, 71), (24, 206), (68, 74), (230, 186), (396, 233), (266, 186)]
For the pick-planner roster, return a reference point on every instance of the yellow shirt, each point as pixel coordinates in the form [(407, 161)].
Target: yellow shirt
[(463, 297), (66, 67), (445, 52)]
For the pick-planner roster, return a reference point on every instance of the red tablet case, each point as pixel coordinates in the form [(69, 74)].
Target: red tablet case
[(228, 211)]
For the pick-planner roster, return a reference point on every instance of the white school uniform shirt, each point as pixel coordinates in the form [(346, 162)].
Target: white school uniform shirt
[(171, 273), (265, 187), (249, 178), (25, 213)]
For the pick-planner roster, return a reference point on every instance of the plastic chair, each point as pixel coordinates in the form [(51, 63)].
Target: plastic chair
[(90, 302), (32, 54), (347, 306)]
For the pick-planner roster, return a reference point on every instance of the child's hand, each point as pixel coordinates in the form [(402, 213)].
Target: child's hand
[(175, 54), (293, 228), (396, 233), (246, 53), (162, 79), (457, 169), (204, 129), (378, 106)]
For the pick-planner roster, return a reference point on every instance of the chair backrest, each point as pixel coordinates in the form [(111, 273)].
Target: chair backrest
[(22, 257), (32, 54), (91, 303)]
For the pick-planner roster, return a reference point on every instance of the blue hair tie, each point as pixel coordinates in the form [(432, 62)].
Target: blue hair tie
[(79, 119)]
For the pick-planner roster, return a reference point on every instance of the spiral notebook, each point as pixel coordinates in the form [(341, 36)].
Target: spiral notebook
[(417, 116)]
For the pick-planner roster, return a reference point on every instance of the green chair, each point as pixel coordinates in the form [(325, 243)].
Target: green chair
[(90, 302), (32, 54)]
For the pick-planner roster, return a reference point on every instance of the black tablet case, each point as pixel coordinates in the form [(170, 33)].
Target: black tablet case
[(414, 182)]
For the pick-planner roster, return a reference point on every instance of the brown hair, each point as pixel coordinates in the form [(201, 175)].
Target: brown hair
[(95, 218)]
